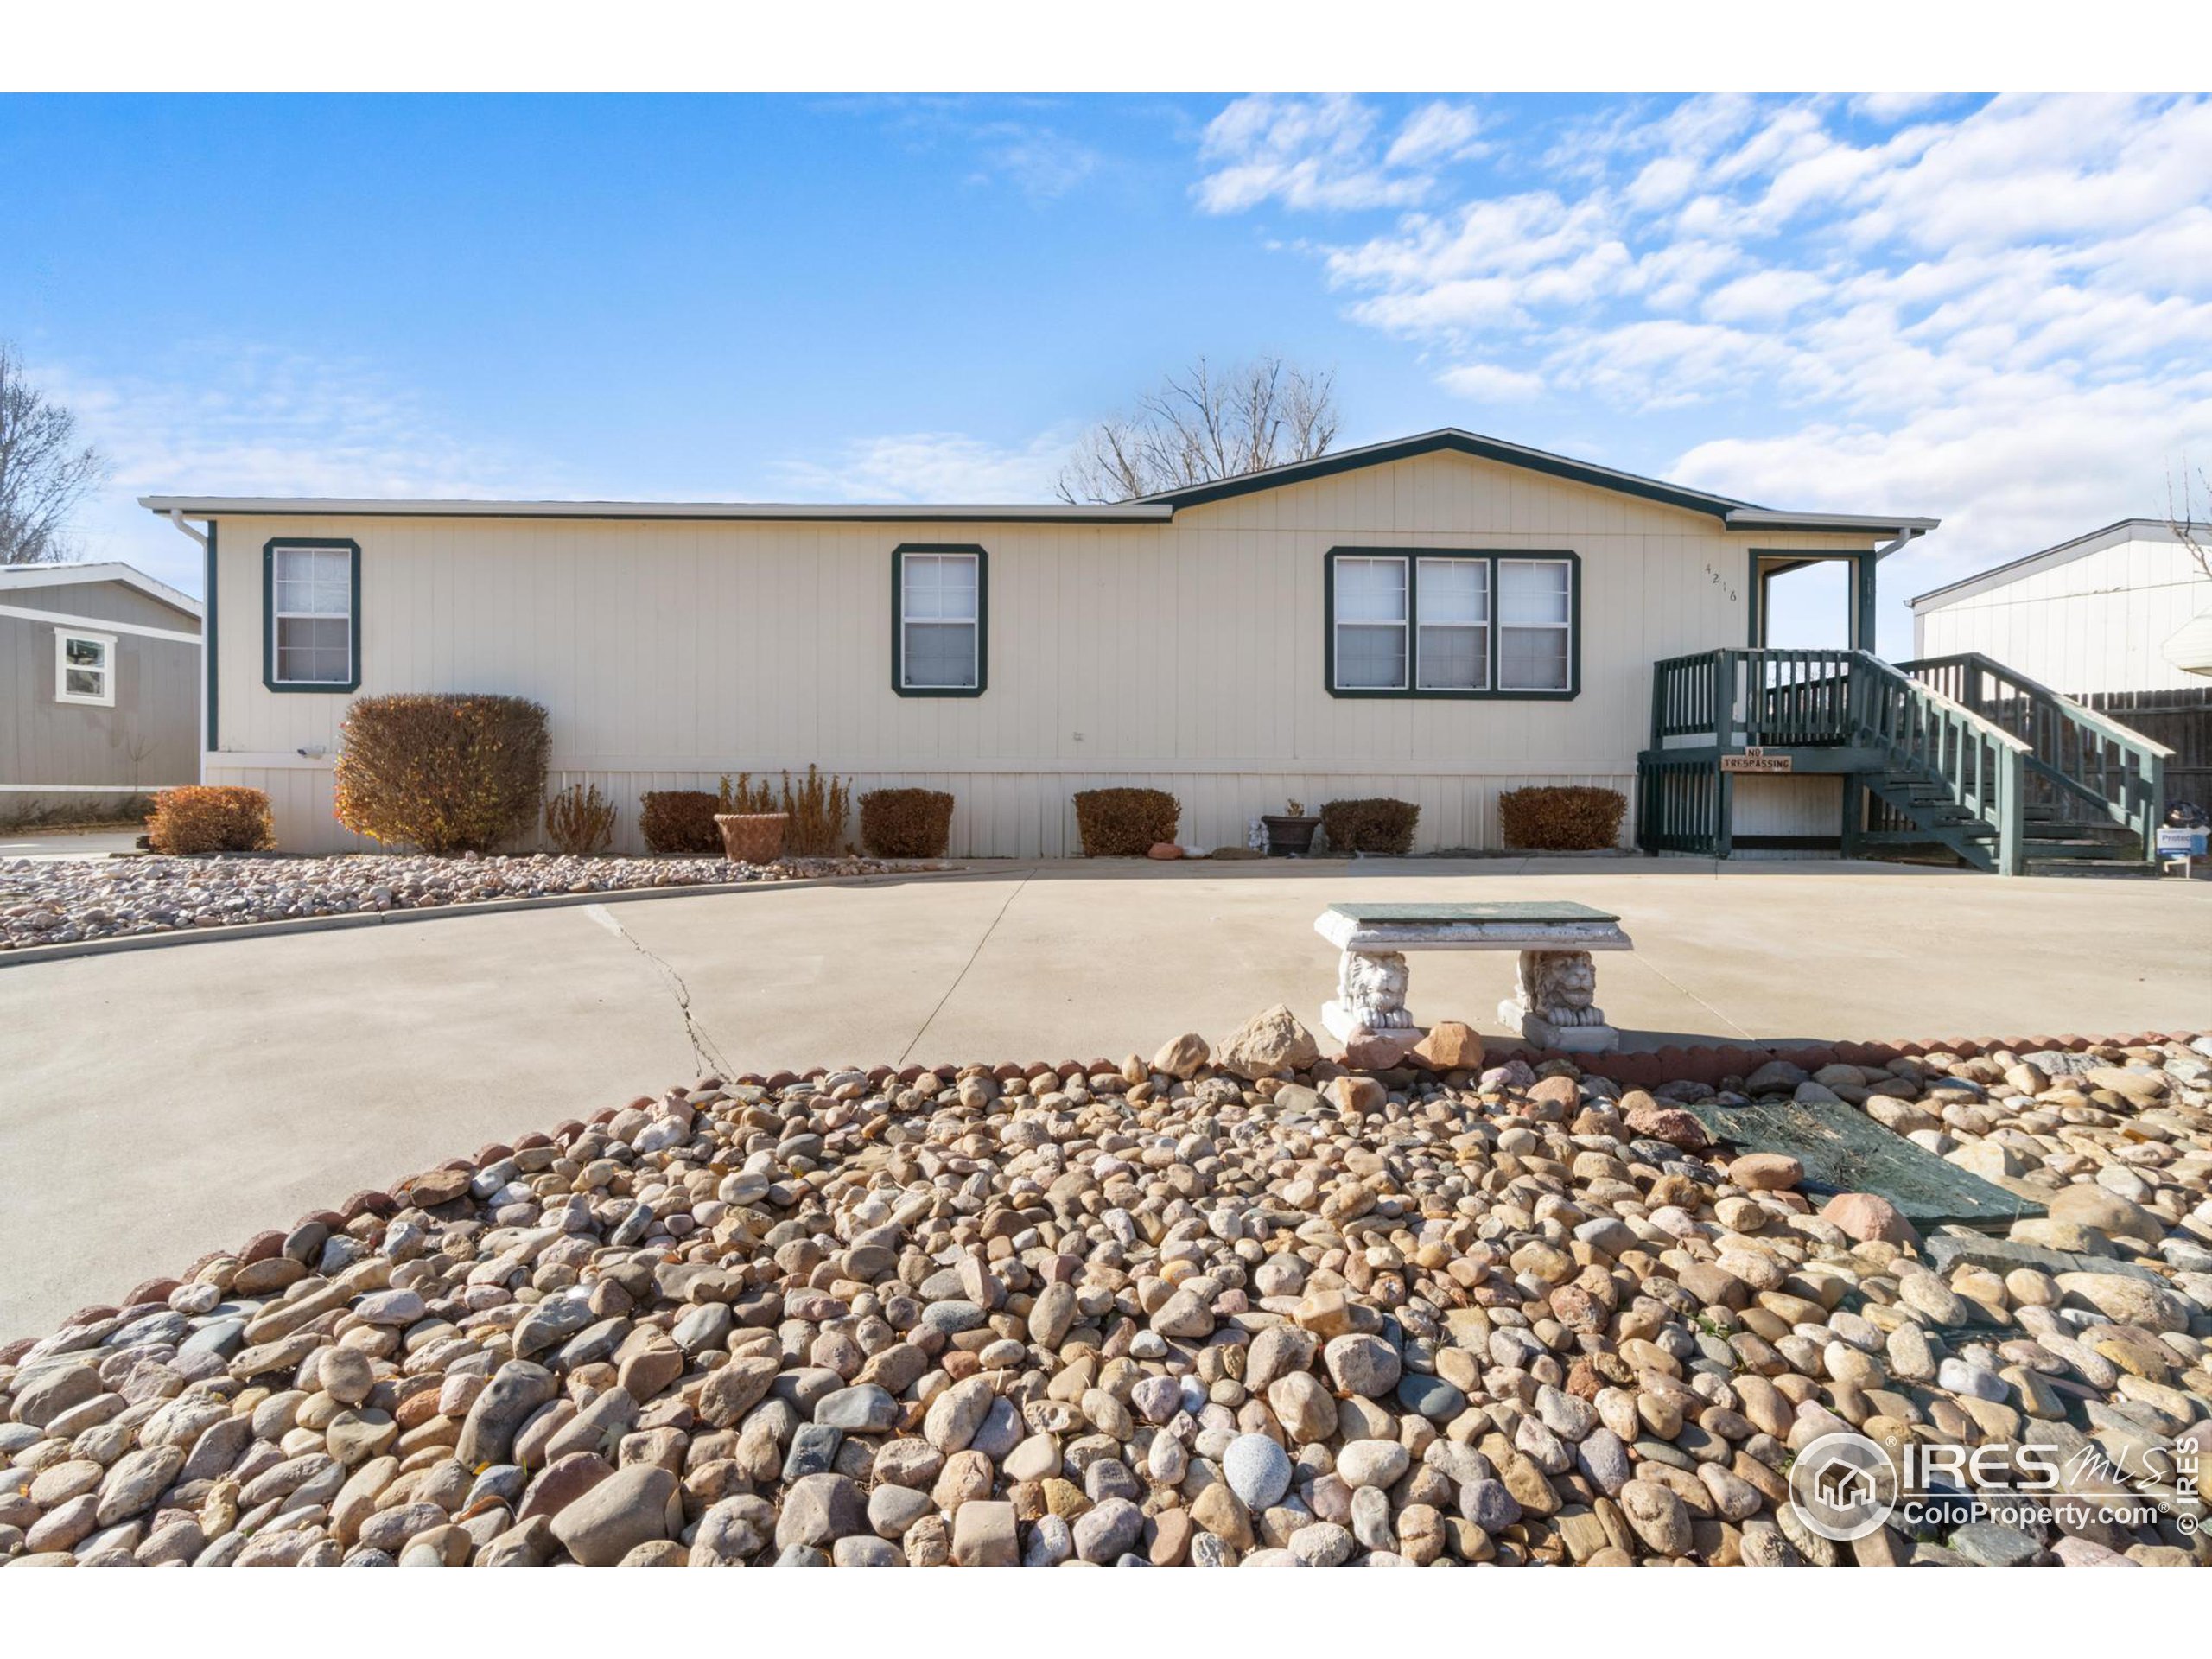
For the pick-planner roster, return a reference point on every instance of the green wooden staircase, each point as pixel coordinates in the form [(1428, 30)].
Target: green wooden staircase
[(1954, 757)]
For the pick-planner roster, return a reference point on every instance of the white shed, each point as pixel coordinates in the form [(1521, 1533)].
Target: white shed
[(2127, 608)]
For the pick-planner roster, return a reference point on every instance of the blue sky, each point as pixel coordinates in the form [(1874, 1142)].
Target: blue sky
[(1996, 312)]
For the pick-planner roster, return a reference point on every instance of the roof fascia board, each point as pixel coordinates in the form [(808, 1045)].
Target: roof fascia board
[(1840, 523), (331, 507), (66, 575), (1461, 443)]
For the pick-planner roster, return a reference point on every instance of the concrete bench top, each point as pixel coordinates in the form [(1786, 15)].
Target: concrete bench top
[(1522, 925)]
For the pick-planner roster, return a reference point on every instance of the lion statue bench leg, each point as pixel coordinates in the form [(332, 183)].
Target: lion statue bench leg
[(1370, 997), (1554, 1003)]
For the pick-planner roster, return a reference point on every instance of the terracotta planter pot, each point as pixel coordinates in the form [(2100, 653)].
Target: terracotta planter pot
[(751, 837), (1289, 837)]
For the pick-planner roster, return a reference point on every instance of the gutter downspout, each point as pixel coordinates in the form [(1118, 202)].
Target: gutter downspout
[(206, 634), (1867, 629)]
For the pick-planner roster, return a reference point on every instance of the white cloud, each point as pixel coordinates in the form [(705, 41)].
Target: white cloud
[(942, 466), (1994, 311), (1492, 382), (1041, 163), (1320, 153), (1764, 297), (1438, 131), (223, 418)]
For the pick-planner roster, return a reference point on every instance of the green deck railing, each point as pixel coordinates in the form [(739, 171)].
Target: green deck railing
[(1731, 699), (2075, 755)]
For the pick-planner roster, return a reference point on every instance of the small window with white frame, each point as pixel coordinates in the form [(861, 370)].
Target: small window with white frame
[(1535, 624), (1370, 623), (939, 639), (83, 667), (1453, 652), (313, 636)]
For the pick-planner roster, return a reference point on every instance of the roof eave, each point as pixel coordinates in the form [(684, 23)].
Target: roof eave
[(1841, 523), (1461, 441), (202, 506)]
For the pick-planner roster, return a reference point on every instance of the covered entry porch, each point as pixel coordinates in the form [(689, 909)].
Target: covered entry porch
[(1920, 769)]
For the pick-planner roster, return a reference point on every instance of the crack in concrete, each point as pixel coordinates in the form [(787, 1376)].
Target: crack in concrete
[(703, 1046), (1027, 875)]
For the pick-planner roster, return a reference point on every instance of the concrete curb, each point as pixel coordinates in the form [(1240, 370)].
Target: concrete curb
[(31, 953)]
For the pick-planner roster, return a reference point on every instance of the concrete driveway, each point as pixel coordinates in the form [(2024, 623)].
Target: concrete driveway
[(156, 1104)]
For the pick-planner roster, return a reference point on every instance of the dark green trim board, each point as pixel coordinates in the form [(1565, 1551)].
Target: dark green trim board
[(269, 614), (983, 620), (1413, 556), (1858, 619), (211, 610), (1465, 443)]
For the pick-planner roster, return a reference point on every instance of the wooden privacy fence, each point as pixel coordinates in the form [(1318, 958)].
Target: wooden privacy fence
[(2180, 718)]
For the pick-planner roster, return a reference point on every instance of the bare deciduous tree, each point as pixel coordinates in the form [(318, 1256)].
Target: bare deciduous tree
[(44, 472), (1203, 425), (2193, 532)]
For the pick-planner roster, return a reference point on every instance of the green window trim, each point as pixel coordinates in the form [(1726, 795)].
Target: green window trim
[(269, 616), (899, 619), (1412, 556)]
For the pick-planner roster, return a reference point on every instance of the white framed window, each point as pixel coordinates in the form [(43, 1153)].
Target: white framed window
[(1370, 623), (83, 667), (1453, 604), (940, 610), (1535, 624), (312, 626)]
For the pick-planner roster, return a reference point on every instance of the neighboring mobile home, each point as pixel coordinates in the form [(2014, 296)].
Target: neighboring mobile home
[(100, 668), (2119, 619), (1439, 619), (2124, 609)]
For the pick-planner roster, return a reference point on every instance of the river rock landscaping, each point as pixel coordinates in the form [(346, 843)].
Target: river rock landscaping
[(1235, 1305), (63, 902)]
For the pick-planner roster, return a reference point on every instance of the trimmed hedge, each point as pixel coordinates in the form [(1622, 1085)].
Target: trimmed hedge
[(1124, 823), (906, 822), (210, 818), (1561, 818), (680, 821), (1377, 825), (448, 772)]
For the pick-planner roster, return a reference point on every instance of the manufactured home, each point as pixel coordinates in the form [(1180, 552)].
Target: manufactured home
[(2127, 608), (99, 687), (1439, 619)]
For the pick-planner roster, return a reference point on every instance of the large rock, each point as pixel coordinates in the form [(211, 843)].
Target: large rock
[(819, 1509), (1269, 1045), (2127, 1300), (1183, 1057), (516, 1390), (1868, 1216), (1450, 1046), (629, 1508), (2086, 1205), (983, 1535)]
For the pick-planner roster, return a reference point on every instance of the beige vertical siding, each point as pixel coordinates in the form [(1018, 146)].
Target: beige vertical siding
[(1810, 805), (2093, 624), (1186, 656)]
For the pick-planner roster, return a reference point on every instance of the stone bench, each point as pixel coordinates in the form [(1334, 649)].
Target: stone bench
[(1553, 1004)]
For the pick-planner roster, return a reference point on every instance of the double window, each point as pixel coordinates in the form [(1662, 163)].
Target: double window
[(1412, 623), (940, 613), (83, 667), (312, 640)]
